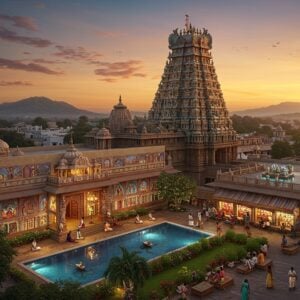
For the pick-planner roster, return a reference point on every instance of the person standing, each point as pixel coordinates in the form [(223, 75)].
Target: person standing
[(245, 290), (269, 278), (292, 279)]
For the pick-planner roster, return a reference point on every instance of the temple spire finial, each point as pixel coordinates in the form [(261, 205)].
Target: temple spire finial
[(120, 99), (187, 22)]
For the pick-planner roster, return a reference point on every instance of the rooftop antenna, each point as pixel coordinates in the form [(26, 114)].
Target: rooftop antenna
[(187, 22)]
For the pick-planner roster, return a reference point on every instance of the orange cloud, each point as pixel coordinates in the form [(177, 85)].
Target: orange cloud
[(31, 67), (125, 69), (11, 36), (15, 83), (78, 53)]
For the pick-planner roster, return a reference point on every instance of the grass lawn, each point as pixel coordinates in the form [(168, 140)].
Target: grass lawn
[(198, 263)]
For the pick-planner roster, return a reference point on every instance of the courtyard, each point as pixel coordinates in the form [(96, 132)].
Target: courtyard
[(281, 262)]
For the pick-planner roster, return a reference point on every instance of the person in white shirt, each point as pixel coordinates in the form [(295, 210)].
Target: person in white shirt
[(151, 218), (292, 278), (34, 246), (138, 220)]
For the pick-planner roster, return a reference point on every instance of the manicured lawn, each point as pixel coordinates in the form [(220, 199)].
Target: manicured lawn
[(198, 263)]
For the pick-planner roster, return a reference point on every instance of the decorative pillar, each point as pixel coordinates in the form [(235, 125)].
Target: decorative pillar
[(61, 214)]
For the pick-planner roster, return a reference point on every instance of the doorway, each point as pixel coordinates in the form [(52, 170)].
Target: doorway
[(74, 209)]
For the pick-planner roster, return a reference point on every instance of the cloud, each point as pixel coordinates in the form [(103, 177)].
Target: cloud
[(78, 53), (125, 69), (109, 34), (11, 36), (48, 61), (15, 83), (26, 53), (19, 21), (31, 67), (110, 80)]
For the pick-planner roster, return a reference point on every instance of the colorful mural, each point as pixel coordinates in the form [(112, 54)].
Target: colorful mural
[(143, 186), (8, 209), (43, 202), (119, 162), (119, 191), (131, 188)]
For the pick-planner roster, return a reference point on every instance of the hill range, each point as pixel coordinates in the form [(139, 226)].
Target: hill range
[(283, 108)]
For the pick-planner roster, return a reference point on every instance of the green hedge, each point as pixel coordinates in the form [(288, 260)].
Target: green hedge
[(130, 213), (28, 237)]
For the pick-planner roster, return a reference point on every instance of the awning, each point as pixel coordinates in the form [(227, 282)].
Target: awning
[(257, 200)]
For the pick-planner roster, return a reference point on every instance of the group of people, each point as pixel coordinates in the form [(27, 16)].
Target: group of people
[(218, 276), (292, 278), (197, 221), (251, 260), (138, 220)]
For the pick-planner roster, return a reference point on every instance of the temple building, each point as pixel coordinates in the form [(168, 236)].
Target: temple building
[(188, 129), (188, 114)]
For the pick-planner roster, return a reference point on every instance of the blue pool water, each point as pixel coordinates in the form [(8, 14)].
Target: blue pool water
[(165, 237)]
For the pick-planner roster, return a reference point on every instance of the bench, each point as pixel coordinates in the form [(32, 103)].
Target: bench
[(290, 250), (228, 281), (265, 265), (203, 288), (243, 269)]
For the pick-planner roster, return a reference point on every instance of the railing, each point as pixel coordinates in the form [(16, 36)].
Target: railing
[(105, 174), (257, 182), (22, 181)]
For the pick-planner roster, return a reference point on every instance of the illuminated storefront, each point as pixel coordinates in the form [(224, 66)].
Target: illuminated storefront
[(284, 218), (226, 207), (263, 215), (242, 211)]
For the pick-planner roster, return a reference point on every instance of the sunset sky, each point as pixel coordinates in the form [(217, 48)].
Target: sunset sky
[(87, 52)]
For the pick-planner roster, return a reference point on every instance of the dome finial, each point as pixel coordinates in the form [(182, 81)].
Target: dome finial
[(120, 99)]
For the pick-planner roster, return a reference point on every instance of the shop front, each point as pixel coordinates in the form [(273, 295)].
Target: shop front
[(242, 210), (278, 212), (226, 208)]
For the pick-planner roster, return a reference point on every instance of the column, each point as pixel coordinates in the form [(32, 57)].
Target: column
[(61, 214)]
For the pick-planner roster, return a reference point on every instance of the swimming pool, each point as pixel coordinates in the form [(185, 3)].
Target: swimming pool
[(165, 237)]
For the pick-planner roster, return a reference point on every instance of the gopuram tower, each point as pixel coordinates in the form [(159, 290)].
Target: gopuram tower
[(189, 100)]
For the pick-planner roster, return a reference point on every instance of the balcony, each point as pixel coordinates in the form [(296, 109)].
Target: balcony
[(23, 181)]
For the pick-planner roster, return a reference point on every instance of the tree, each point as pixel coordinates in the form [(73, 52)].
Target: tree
[(14, 139), (6, 255), (129, 270), (39, 121), (281, 149), (64, 124), (79, 130), (103, 123), (175, 188)]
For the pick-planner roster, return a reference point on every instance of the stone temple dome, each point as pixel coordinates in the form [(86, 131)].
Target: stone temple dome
[(4, 148), (120, 118), (103, 133)]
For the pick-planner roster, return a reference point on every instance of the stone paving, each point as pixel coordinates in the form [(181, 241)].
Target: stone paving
[(281, 262)]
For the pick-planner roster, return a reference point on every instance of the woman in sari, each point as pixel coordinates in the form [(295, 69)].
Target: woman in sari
[(245, 290), (269, 278)]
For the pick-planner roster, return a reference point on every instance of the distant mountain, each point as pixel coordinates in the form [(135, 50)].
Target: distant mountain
[(43, 107), (272, 110)]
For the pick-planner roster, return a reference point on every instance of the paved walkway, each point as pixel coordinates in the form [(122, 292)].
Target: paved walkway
[(281, 262)]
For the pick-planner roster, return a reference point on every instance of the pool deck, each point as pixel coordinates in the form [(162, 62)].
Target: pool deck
[(281, 262)]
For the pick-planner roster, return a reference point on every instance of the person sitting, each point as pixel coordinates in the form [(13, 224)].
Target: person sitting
[(34, 246), (215, 278), (151, 218), (138, 220), (80, 266), (260, 258), (222, 274), (182, 290), (264, 249), (147, 244), (266, 224), (253, 260), (284, 242), (69, 237), (81, 224), (107, 227), (79, 235)]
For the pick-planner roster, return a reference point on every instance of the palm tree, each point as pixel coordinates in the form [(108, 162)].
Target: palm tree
[(129, 270)]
